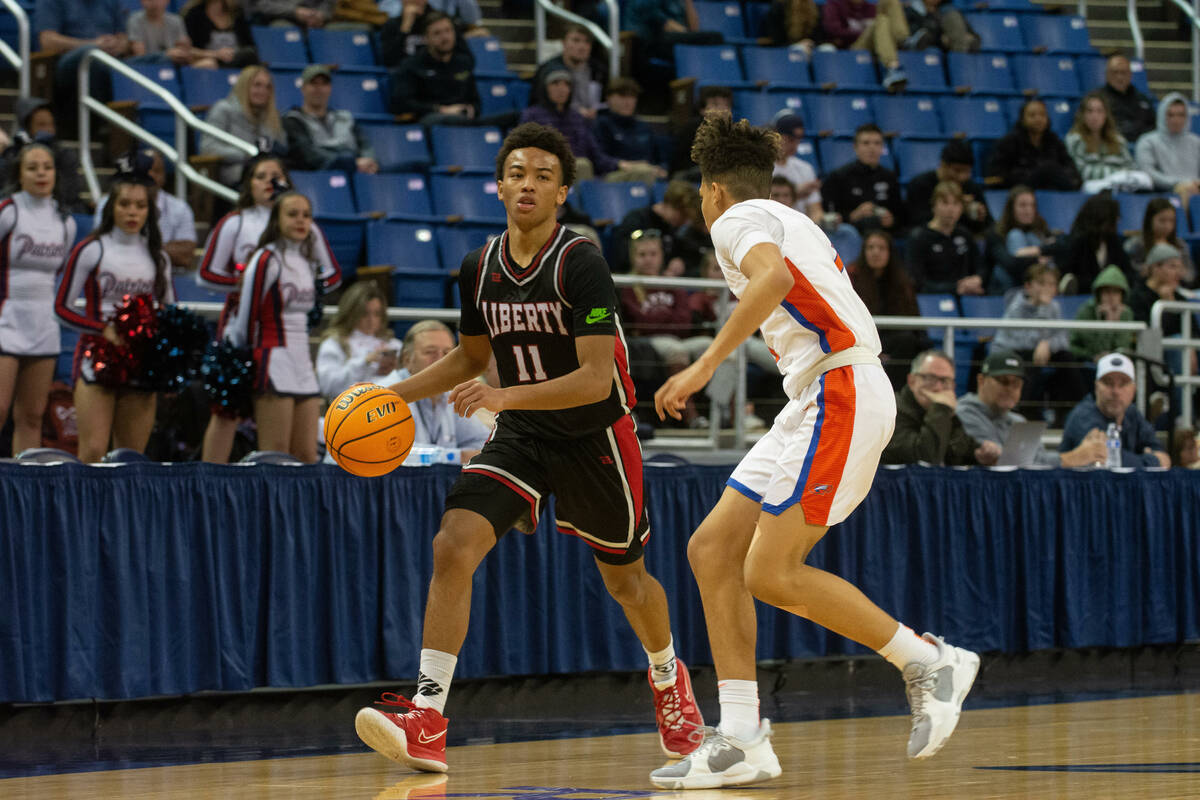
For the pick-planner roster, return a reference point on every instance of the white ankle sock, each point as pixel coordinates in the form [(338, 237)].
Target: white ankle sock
[(662, 665), (905, 647), (739, 709), (433, 679)]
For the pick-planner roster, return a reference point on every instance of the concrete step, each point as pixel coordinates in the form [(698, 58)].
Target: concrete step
[(1173, 52), (510, 30)]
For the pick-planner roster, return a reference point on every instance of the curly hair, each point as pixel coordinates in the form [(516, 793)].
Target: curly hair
[(736, 154), (542, 137)]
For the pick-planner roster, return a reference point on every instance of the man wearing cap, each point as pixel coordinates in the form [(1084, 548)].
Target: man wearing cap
[(620, 133), (588, 75), (799, 172), (927, 428), (1164, 272), (322, 138), (988, 416), (957, 161), (1113, 403)]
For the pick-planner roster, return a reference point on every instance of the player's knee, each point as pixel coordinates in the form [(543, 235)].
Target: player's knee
[(625, 587), (706, 552), (760, 577)]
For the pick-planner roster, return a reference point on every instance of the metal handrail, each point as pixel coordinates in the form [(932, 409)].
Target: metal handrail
[(610, 40), (184, 119), (1184, 343), (1135, 28), (20, 59), (1191, 14)]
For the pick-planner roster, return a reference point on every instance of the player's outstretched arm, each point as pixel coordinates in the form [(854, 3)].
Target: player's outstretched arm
[(590, 382), (465, 362), (769, 283)]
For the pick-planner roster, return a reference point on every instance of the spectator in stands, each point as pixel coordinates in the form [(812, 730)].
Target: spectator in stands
[(357, 346), (988, 416), (886, 289), (322, 138), (36, 123), (937, 23), (71, 28), (158, 35), (679, 207), (927, 428), (1045, 349), (662, 24), (1032, 154), (622, 134), (589, 76), (1017, 241), (465, 13), (1092, 243), (590, 160), (1100, 152), (1133, 111), (1159, 227), (122, 256), (941, 255), (1107, 304), (248, 112), (1112, 402), (709, 99), (1164, 273), (866, 194), (219, 33), (436, 423), (955, 166), (175, 221), (305, 13), (793, 22), (798, 172), (878, 27), (1186, 448), (1171, 153), (404, 32)]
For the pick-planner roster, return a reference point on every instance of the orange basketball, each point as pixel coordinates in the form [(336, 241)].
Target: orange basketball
[(369, 430)]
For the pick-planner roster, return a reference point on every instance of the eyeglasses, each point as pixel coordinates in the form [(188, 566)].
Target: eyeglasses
[(936, 380), (648, 233)]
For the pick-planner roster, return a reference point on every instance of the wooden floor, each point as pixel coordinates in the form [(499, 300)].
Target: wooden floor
[(1145, 747)]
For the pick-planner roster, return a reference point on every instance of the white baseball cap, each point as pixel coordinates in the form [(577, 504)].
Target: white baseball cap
[(1115, 362)]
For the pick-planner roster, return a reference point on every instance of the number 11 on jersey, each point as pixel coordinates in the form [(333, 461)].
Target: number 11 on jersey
[(535, 358)]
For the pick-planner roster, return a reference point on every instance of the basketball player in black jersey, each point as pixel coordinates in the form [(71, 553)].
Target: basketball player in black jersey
[(541, 299)]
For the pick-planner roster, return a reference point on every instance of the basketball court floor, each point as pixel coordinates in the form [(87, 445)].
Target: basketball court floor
[(1069, 724)]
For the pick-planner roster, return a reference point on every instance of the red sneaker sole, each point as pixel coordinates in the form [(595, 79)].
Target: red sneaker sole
[(384, 737)]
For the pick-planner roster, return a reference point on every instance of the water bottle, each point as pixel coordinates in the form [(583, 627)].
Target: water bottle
[(427, 455), (1113, 446)]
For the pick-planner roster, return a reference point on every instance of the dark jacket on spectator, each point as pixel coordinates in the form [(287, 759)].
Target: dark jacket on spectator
[(934, 435), (844, 21), (628, 138), (422, 83), (332, 143), (1136, 432), (571, 124), (920, 202), (597, 72), (1074, 255), (1016, 161), (851, 185), (1142, 298), (201, 30), (1133, 112), (937, 261)]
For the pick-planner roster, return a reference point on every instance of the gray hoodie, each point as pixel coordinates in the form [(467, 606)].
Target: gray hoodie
[(1169, 158), (228, 115)]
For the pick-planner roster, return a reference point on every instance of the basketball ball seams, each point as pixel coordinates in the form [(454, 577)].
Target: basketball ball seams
[(398, 457), (373, 432), (351, 408), (374, 418)]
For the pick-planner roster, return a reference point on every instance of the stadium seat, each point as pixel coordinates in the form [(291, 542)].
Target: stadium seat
[(473, 197), (1059, 208), (398, 148), (755, 19), (203, 87), (1070, 303), (490, 61), (926, 71), (362, 95), (937, 305), (456, 241), (998, 32), (1050, 75), (724, 18), (610, 202), (981, 73), (1061, 111), (795, 101), (1133, 212), (280, 48), (710, 64), (995, 199), (495, 96), (909, 116), (465, 148), (974, 117), (838, 114), (784, 67), (845, 70), (987, 306), (404, 245), (757, 106), (328, 190), (1056, 34), (399, 194), (287, 89), (519, 91), (188, 291), (348, 50), (839, 151), (83, 226), (1090, 69), (916, 156), (153, 113)]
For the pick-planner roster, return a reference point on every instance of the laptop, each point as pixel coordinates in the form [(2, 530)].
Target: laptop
[(1024, 441)]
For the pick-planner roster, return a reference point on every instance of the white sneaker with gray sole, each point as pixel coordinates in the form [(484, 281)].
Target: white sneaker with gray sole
[(935, 694), (722, 760)]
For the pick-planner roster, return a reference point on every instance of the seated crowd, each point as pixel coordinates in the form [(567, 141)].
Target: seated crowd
[(940, 232)]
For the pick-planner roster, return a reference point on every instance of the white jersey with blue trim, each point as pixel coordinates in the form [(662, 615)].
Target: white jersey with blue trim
[(822, 313)]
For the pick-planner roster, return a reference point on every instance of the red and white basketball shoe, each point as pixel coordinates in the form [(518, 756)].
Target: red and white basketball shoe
[(415, 737), (678, 716)]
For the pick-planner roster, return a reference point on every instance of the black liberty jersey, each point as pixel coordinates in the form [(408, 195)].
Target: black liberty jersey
[(532, 316)]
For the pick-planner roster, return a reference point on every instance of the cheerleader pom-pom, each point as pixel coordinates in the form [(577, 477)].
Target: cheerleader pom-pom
[(175, 355), (135, 321), (228, 374), (112, 366)]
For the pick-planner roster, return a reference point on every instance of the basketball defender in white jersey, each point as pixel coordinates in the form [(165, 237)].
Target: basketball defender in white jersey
[(808, 472)]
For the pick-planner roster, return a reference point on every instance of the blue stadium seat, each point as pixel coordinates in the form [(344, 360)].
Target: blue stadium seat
[(472, 197), (755, 16), (845, 70), (909, 116), (287, 89), (836, 152), (188, 291), (203, 87), (398, 148), (785, 67), (1133, 212), (974, 117), (794, 100), (995, 199), (495, 96), (1056, 34), (1090, 69), (937, 305), (83, 226), (465, 148), (280, 48), (1059, 208), (165, 75), (349, 50), (757, 106), (1006, 5), (456, 241), (604, 201), (916, 156), (1070, 303), (838, 114), (345, 237), (362, 95), (999, 32), (65, 363), (1061, 111), (1049, 75), (710, 64), (723, 17), (926, 71), (987, 306), (982, 73), (329, 192), (490, 61), (403, 244), (400, 194), (519, 91)]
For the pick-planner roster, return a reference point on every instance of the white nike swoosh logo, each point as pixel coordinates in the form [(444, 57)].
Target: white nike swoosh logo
[(423, 739)]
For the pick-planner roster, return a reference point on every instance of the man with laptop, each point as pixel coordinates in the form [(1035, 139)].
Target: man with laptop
[(988, 416)]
